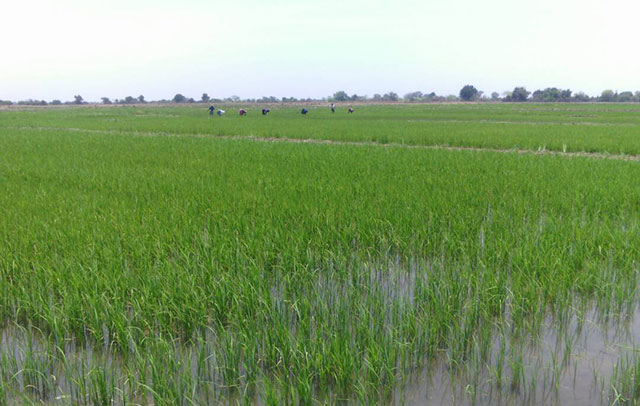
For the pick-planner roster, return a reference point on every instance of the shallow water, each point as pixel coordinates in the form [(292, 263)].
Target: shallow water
[(570, 365), (567, 363)]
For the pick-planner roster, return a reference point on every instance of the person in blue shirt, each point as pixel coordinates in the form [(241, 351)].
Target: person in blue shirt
[(265, 112), (304, 111), (211, 110)]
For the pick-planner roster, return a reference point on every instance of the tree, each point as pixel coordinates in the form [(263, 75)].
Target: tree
[(495, 96), (625, 97), (56, 102), (519, 94), (78, 99), (377, 97), (178, 98), (608, 96), (430, 97), (270, 99), (413, 96), (391, 96), (205, 98), (581, 97), (468, 93), (141, 99), (106, 100), (340, 95)]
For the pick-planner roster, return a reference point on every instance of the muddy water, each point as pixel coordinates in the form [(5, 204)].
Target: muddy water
[(567, 365)]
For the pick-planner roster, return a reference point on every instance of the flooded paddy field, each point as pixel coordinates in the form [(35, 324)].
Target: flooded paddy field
[(157, 256)]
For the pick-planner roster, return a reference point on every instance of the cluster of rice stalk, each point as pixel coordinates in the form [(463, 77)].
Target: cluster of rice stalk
[(183, 270)]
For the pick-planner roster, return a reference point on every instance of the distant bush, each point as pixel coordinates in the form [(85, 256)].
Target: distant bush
[(270, 99), (552, 94), (31, 102)]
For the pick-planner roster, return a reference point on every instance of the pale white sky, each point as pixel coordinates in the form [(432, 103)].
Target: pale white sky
[(55, 49)]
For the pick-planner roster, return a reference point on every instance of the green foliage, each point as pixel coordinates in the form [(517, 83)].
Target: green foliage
[(178, 98), (142, 259), (340, 96), (551, 94), (468, 93), (519, 94), (608, 96)]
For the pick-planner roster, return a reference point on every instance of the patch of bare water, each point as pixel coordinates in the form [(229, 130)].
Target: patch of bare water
[(567, 365)]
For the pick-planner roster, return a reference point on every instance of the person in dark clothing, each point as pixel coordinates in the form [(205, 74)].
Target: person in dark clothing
[(242, 112), (351, 110), (211, 110), (304, 111), (221, 112), (333, 108), (265, 112)]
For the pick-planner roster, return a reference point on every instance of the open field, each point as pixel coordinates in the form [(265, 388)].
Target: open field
[(607, 128), (162, 256)]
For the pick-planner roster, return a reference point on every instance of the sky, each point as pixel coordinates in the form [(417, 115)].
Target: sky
[(308, 48)]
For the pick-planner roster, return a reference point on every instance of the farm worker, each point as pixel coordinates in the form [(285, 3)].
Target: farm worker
[(265, 112), (350, 111), (221, 112), (242, 112), (333, 108), (211, 110), (304, 111)]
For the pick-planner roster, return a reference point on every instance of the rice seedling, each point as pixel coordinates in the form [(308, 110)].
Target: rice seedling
[(143, 268)]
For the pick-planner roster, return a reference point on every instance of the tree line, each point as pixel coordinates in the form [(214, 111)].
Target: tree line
[(468, 93)]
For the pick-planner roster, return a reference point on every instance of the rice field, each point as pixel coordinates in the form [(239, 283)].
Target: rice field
[(402, 255)]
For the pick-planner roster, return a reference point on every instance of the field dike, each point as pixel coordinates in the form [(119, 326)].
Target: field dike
[(538, 151)]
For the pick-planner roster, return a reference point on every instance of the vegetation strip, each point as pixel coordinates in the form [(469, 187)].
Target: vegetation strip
[(541, 151)]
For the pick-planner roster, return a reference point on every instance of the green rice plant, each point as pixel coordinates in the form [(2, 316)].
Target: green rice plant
[(194, 269), (625, 381)]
